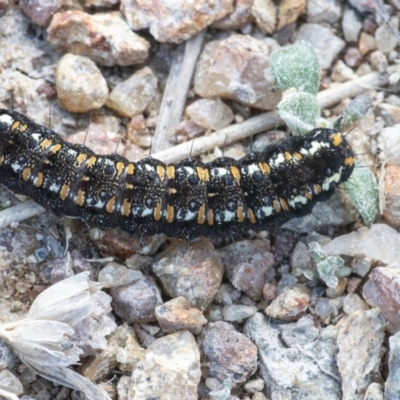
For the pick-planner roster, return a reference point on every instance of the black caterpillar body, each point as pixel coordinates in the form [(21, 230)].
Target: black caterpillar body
[(187, 199)]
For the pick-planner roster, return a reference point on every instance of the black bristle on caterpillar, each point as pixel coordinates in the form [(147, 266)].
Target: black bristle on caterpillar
[(186, 199)]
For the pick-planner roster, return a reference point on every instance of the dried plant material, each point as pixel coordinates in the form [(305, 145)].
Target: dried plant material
[(43, 339)]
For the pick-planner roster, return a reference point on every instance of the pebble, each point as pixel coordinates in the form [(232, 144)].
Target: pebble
[(177, 314), (392, 385), (379, 243), (131, 97), (136, 301), (323, 11), (342, 73), (353, 302), (240, 17), (389, 145), (379, 62), (385, 40), (324, 308), (254, 385), (389, 113), (170, 369), (210, 114), (226, 353), (227, 295), (375, 392), (174, 21), (266, 15), (360, 342), (80, 85), (114, 274), (290, 304), (40, 11), (353, 58), (289, 368), (4, 4), (194, 272), (90, 334), (123, 385), (325, 43), (351, 25), (392, 195), (247, 263), (269, 291), (289, 11), (300, 259), (10, 383), (223, 71), (258, 396), (361, 266), (366, 43), (287, 280), (103, 37), (381, 290), (238, 312)]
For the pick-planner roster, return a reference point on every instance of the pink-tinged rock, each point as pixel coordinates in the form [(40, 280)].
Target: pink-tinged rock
[(174, 21), (291, 304), (237, 68), (382, 290), (240, 17), (247, 263), (105, 38), (226, 353), (392, 195), (40, 11), (177, 314)]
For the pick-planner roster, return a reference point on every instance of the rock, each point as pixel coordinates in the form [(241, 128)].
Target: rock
[(193, 271), (287, 280), (392, 384), (353, 58), (323, 11), (131, 97), (366, 43), (385, 40), (325, 44), (380, 243), (10, 383), (269, 291), (226, 353), (300, 259), (389, 145), (238, 312), (360, 342), (342, 73), (80, 85), (177, 314), (174, 21), (123, 385), (266, 15), (392, 195), (237, 68), (210, 114), (39, 11), (289, 369), (351, 25), (136, 301), (116, 275), (240, 17), (247, 263), (353, 302), (381, 291), (254, 385), (290, 304), (290, 11), (361, 266), (105, 38), (170, 369), (90, 334), (374, 392)]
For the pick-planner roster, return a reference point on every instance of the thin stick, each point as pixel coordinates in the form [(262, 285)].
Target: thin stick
[(20, 212)]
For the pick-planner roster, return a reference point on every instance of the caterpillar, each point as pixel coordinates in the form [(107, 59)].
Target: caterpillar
[(187, 199)]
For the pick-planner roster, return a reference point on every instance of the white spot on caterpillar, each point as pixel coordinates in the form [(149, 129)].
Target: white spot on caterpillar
[(280, 159), (333, 178), (6, 119)]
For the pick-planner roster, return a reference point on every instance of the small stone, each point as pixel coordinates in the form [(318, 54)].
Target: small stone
[(269, 291), (380, 243), (131, 97), (39, 11), (194, 272), (258, 396), (392, 195), (380, 63), (287, 280), (338, 290), (325, 44), (170, 369), (353, 58), (353, 302), (80, 85), (366, 43), (290, 11), (105, 38), (4, 4), (360, 341), (266, 15), (385, 40), (114, 274), (247, 263), (136, 301), (123, 385), (290, 304), (351, 25), (174, 21), (254, 385), (210, 114), (226, 353), (240, 17), (342, 73), (389, 145), (392, 383), (324, 308), (10, 383), (300, 259), (237, 68), (323, 11), (177, 314), (361, 266), (238, 312), (353, 284)]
